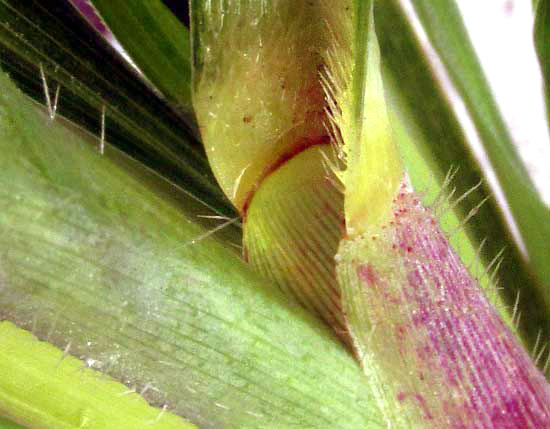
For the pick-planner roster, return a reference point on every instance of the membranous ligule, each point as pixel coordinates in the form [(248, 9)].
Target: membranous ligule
[(292, 231)]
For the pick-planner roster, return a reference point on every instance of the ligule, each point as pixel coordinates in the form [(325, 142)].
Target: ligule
[(418, 317), (292, 229)]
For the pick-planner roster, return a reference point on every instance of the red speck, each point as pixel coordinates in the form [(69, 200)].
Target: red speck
[(409, 249), (367, 274), (400, 331)]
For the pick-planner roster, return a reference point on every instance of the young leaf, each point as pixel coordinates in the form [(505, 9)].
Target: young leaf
[(69, 394)]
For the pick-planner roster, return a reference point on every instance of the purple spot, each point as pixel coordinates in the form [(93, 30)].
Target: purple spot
[(367, 274), (478, 372)]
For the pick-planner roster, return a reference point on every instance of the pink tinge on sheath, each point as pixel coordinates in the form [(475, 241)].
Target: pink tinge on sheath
[(459, 365)]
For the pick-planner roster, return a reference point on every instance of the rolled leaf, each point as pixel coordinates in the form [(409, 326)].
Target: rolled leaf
[(267, 142), (273, 49)]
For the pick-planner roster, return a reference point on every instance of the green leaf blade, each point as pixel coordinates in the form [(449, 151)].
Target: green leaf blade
[(98, 258), (92, 77), (7, 424), (542, 46), (446, 30)]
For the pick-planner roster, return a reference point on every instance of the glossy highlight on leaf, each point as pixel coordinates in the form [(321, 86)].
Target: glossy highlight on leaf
[(157, 42)]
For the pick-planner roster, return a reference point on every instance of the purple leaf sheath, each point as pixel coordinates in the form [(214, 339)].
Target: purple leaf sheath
[(421, 320)]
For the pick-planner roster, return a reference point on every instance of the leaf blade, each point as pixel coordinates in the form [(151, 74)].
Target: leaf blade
[(93, 76), (542, 46), (104, 261)]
